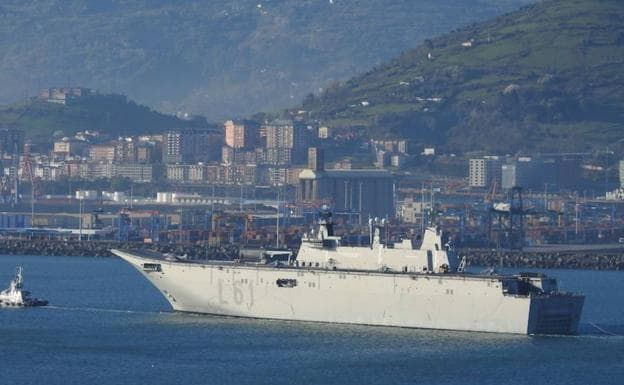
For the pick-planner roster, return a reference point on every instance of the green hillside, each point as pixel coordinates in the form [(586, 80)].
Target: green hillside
[(545, 78), (217, 58), (110, 114)]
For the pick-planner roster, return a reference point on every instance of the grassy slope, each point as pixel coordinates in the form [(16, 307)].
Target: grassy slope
[(218, 58), (110, 114), (564, 59)]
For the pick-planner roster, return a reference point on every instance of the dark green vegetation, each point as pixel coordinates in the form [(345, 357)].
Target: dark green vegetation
[(548, 77), (110, 114), (218, 58)]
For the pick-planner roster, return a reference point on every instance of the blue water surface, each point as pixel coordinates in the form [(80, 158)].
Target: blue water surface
[(107, 325)]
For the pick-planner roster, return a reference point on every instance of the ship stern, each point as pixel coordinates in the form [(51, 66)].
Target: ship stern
[(555, 314)]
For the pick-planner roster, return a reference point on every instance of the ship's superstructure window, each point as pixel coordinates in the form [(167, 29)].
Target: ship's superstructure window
[(285, 282)]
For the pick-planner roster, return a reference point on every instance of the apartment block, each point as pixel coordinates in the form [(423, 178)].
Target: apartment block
[(189, 145), (484, 171)]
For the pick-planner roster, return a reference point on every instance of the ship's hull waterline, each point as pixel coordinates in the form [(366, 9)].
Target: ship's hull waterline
[(431, 301)]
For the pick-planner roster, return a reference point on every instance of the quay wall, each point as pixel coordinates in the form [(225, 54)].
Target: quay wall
[(594, 260)]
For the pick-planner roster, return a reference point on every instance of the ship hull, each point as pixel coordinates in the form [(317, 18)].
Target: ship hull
[(430, 301)]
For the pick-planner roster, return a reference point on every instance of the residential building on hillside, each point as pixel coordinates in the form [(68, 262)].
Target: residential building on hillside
[(102, 152), (177, 172), (66, 148), (277, 156), (211, 174), (279, 134), (240, 174), (227, 155), (286, 136), (234, 134), (196, 173), (391, 145), (125, 150), (187, 145), (241, 134), (77, 169), (97, 170), (146, 152), (136, 172), (483, 172), (279, 176), (63, 95)]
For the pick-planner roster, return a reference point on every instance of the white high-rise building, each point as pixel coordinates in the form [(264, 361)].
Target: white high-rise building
[(484, 171)]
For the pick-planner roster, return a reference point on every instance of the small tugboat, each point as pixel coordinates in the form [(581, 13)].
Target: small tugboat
[(14, 296)]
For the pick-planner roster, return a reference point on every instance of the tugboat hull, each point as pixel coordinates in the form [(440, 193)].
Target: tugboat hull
[(16, 297), (32, 303)]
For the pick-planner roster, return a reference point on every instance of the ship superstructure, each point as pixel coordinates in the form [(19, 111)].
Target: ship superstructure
[(373, 285), (323, 250), (16, 296)]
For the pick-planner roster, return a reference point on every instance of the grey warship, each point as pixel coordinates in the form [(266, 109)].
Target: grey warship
[(376, 284)]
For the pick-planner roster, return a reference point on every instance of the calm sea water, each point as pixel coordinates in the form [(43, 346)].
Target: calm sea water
[(107, 325)]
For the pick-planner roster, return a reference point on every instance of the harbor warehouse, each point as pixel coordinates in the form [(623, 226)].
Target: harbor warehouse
[(363, 192)]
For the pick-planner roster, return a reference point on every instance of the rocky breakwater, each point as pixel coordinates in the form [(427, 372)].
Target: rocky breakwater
[(102, 248), (594, 260)]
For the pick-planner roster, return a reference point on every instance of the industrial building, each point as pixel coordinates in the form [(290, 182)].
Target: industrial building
[(286, 141), (363, 193), (537, 173)]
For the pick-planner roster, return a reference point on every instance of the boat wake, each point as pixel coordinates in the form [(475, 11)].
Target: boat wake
[(598, 330), (101, 310), (604, 330)]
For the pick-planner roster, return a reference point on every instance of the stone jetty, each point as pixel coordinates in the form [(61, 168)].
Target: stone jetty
[(102, 248), (594, 260)]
